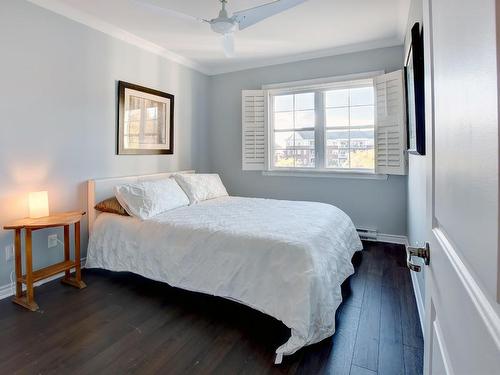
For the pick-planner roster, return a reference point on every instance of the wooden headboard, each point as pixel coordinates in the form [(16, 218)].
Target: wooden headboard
[(102, 188)]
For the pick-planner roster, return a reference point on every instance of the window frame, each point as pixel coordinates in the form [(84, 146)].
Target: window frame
[(320, 85)]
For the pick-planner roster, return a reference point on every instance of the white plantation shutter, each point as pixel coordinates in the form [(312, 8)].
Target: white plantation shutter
[(254, 108), (390, 124)]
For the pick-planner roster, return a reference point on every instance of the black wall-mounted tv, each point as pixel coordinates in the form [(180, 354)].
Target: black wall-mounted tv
[(415, 93)]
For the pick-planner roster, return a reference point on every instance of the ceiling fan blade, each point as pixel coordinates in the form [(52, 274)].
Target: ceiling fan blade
[(169, 12), (249, 17), (228, 44)]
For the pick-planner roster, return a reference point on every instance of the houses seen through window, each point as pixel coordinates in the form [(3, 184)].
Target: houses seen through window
[(294, 127), (329, 128)]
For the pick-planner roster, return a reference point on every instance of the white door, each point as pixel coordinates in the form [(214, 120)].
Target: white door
[(462, 309)]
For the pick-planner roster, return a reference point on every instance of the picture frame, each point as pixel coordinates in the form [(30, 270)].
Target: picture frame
[(145, 121), (415, 93)]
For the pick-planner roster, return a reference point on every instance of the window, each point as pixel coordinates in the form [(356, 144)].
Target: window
[(325, 127), (329, 128), (294, 128), (350, 127)]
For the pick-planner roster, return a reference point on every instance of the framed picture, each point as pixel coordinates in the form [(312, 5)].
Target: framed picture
[(415, 96), (145, 121)]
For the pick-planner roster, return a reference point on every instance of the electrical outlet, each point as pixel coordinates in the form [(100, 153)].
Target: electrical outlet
[(9, 253), (52, 240)]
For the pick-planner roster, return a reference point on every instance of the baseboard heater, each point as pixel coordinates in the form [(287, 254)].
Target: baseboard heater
[(367, 234)]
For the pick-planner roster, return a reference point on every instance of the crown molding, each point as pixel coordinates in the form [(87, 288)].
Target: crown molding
[(93, 22), (335, 51)]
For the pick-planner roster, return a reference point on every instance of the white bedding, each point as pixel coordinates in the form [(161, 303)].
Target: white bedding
[(286, 259)]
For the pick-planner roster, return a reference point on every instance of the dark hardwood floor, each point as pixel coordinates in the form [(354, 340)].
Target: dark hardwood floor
[(124, 323)]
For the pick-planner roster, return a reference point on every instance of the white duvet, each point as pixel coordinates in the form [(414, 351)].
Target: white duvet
[(286, 259)]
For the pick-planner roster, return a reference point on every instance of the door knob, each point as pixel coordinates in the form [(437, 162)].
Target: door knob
[(421, 252)]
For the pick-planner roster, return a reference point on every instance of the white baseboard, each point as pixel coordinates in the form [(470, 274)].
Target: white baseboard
[(418, 294), (389, 238), (5, 291), (418, 298), (392, 238), (9, 289)]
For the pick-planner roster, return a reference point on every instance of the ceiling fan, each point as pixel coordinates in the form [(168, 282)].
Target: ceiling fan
[(225, 24)]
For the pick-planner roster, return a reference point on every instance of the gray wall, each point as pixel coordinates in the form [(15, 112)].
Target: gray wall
[(416, 200), (58, 105), (370, 203)]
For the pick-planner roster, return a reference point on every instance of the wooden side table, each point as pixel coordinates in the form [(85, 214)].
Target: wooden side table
[(26, 299)]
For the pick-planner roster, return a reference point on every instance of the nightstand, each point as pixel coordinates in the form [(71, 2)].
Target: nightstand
[(26, 299)]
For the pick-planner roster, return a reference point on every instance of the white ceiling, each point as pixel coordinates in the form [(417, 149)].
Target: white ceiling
[(313, 29)]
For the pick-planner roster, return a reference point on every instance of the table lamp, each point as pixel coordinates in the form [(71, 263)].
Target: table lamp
[(38, 204)]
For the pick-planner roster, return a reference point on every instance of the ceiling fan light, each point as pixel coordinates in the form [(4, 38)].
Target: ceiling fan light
[(223, 27)]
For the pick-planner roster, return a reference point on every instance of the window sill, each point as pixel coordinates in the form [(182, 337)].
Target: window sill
[(362, 175)]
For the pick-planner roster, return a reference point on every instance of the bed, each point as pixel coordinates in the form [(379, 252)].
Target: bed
[(286, 259)]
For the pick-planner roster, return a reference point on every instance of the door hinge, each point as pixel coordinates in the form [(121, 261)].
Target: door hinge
[(421, 252)]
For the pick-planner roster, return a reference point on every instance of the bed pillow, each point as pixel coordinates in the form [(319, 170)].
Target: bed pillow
[(200, 187), (149, 198), (112, 206)]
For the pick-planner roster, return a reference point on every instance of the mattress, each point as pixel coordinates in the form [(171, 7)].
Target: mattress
[(286, 259)]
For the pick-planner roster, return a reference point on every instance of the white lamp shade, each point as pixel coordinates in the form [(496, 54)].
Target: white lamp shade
[(38, 204)]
